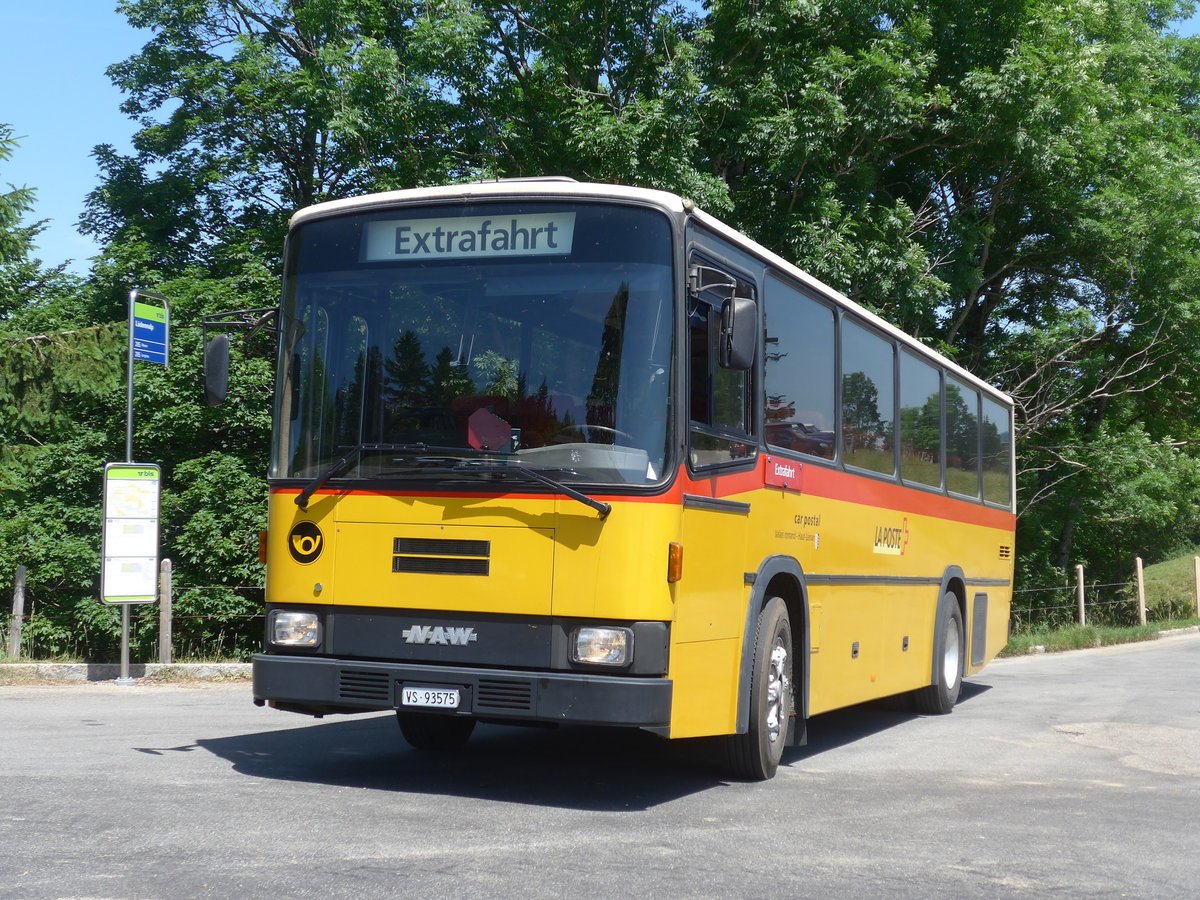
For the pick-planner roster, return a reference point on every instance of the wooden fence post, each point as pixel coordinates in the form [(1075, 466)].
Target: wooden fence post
[(1079, 594), (1196, 570), (1141, 591), (164, 612), (18, 615)]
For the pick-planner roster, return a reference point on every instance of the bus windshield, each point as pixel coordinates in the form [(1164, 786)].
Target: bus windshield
[(451, 343)]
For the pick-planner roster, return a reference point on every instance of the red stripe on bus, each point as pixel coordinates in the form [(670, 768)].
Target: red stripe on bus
[(832, 484), (813, 481)]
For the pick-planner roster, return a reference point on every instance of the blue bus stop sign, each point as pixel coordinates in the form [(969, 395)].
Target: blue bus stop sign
[(150, 333)]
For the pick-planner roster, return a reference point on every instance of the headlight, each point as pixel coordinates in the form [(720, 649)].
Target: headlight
[(602, 646), (295, 629)]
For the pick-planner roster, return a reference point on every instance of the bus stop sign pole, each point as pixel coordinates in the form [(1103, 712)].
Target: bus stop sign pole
[(131, 511)]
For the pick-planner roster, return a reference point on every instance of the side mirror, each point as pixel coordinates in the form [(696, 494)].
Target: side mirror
[(739, 326), (216, 370)]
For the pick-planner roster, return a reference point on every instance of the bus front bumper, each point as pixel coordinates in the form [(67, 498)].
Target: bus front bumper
[(319, 685)]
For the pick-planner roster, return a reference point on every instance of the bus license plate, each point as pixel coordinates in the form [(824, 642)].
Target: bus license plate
[(436, 698)]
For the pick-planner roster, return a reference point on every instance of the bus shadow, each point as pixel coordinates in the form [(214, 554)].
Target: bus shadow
[(591, 769), (594, 769), (842, 727)]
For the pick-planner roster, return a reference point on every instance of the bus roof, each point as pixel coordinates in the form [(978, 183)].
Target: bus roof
[(513, 187), (567, 187)]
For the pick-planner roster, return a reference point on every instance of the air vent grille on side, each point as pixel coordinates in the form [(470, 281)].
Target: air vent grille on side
[(354, 684), (496, 693)]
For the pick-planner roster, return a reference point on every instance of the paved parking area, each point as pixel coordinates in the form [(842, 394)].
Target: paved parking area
[(1075, 775)]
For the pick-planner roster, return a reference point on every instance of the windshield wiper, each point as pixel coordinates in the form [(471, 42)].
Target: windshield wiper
[(355, 452), (462, 465), (598, 505), (336, 469)]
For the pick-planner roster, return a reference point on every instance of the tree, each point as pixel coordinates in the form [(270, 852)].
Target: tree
[(406, 373), (601, 91), (1015, 183), (268, 106), (14, 203)]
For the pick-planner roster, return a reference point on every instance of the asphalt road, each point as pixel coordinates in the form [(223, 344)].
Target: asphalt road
[(1074, 776)]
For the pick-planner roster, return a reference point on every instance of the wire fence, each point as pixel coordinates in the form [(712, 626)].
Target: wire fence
[(1138, 600), (196, 622), (1113, 604)]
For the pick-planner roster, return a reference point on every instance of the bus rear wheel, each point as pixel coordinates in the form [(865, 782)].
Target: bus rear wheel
[(939, 699), (755, 755), (430, 731)]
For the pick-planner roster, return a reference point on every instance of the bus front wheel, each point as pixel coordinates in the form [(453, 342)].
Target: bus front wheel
[(755, 755), (939, 699), (430, 731)]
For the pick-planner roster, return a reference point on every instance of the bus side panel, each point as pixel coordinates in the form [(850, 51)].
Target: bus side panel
[(705, 679), (615, 568), (710, 617), (999, 602), (852, 656), (874, 555)]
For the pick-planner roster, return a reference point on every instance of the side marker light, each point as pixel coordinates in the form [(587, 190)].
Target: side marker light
[(674, 562)]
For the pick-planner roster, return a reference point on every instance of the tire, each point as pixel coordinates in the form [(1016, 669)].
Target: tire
[(948, 660), (755, 755), (430, 731)]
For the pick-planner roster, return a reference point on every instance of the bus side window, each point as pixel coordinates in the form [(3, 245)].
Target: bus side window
[(997, 437), (962, 438), (719, 398), (920, 421), (868, 399), (800, 365)]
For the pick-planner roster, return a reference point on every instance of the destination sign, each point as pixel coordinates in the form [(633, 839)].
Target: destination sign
[(411, 240)]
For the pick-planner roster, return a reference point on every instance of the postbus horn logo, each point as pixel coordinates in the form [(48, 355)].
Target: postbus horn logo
[(304, 542)]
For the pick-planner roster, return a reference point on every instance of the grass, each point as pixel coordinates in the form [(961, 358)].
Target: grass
[(1171, 585), (1079, 637)]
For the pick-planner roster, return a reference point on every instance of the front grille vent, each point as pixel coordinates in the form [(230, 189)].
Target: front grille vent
[(356, 684), (427, 565), (436, 547), (509, 694), (1005, 552), (434, 556)]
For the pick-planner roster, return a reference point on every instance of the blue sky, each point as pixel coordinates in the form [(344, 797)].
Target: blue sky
[(61, 104)]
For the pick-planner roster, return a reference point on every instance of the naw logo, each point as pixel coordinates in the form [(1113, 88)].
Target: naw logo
[(890, 540), (439, 634)]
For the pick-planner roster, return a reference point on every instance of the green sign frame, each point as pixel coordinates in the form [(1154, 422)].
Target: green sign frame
[(132, 493)]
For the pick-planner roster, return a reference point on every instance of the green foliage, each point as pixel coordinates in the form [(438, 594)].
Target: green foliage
[(1125, 493), (62, 417), (14, 203), (45, 379)]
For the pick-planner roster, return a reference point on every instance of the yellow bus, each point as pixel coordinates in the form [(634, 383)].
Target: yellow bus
[(554, 452)]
